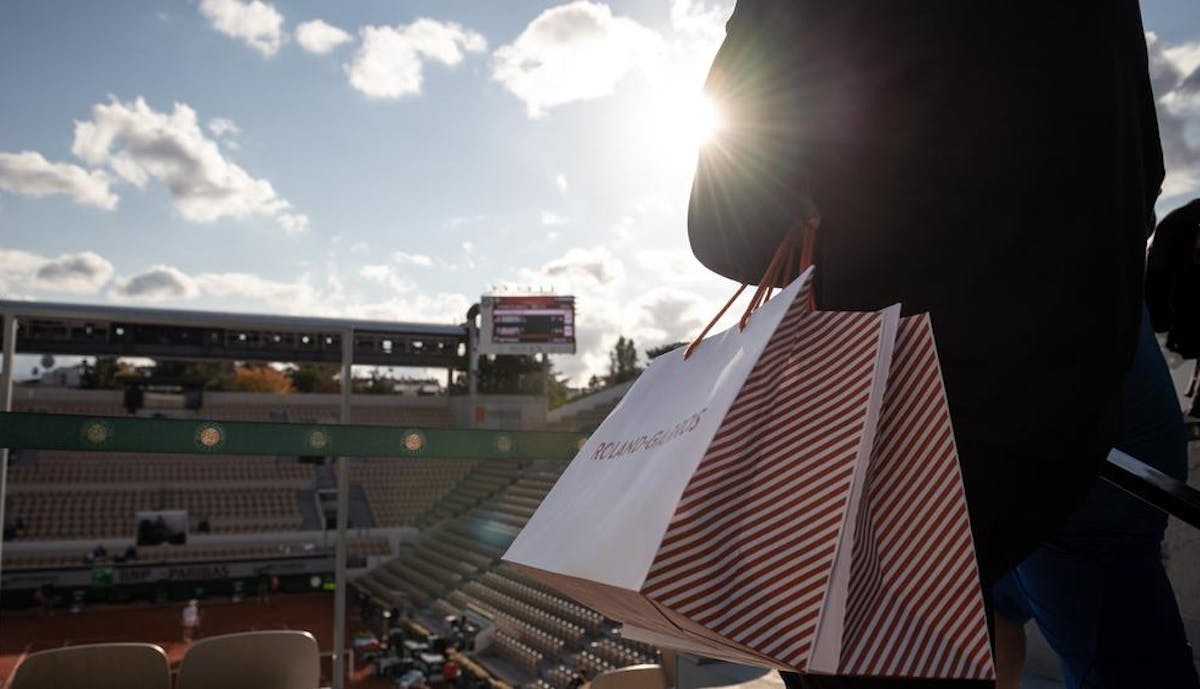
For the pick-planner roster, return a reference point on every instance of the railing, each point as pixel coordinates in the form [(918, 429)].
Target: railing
[(1153, 487)]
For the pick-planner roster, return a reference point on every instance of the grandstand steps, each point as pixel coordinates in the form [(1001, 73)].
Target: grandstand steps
[(325, 479), (310, 513), (460, 567), (478, 536), (447, 548), (472, 490), (360, 509)]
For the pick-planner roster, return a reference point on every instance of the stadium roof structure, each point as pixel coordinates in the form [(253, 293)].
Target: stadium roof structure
[(100, 330)]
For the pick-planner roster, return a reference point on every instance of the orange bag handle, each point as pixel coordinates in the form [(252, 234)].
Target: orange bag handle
[(781, 265)]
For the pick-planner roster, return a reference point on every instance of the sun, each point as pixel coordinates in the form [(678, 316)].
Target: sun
[(692, 121), (705, 120), (670, 127)]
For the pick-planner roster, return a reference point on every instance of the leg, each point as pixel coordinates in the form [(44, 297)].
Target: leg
[(1098, 589), (1010, 653)]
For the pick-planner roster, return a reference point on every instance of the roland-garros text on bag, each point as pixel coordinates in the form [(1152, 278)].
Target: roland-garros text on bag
[(778, 499)]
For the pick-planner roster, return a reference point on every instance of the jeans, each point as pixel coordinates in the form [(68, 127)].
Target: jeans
[(1098, 590)]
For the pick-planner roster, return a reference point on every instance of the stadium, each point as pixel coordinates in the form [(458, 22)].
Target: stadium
[(422, 535), (396, 547), (372, 345)]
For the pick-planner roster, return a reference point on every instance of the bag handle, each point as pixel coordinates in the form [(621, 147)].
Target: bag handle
[(801, 232)]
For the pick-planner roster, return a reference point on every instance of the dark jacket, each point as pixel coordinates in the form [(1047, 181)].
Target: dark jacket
[(992, 163), (1173, 280)]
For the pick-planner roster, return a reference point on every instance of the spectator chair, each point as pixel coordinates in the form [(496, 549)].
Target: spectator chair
[(95, 666), (281, 659)]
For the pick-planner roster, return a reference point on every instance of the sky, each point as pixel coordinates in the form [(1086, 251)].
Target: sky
[(391, 159)]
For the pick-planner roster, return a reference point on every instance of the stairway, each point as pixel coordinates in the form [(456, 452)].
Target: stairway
[(310, 516)]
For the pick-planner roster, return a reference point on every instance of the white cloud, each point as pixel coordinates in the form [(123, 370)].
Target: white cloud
[(572, 52), (83, 272), (560, 182), (438, 307), (139, 143), (597, 264), (376, 273), (412, 259), (1185, 56), (220, 126), (17, 269), (319, 37), (30, 174), (255, 23), (248, 291), (390, 61), (1175, 78), (552, 218), (694, 17), (159, 283), (80, 273), (668, 314), (291, 296)]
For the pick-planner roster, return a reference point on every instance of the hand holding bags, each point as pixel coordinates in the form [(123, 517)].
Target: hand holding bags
[(788, 496)]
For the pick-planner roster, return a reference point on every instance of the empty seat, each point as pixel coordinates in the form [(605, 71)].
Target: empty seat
[(95, 666), (283, 659)]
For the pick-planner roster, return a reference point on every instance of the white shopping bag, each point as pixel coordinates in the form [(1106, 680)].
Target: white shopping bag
[(654, 523)]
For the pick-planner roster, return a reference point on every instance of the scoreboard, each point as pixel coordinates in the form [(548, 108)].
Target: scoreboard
[(527, 325)]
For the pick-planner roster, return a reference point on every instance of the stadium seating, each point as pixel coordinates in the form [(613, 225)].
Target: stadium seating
[(109, 468), (94, 666), (455, 568), (467, 511), (111, 513), (526, 657), (284, 659), (80, 495), (401, 489)]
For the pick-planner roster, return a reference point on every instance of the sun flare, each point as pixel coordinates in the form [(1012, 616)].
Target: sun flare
[(705, 120)]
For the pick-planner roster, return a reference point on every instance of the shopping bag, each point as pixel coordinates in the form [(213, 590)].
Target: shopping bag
[(718, 502), (914, 607), (915, 604)]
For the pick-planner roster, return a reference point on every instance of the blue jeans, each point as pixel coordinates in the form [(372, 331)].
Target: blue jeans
[(1098, 590)]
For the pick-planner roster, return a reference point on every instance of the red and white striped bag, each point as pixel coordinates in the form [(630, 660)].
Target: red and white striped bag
[(789, 496)]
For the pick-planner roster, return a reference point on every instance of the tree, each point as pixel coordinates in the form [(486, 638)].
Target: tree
[(102, 373), (557, 393), (511, 375), (655, 352), (310, 377), (377, 384), (622, 361), (261, 378), (215, 375)]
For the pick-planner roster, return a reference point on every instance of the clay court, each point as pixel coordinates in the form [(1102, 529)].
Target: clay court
[(27, 631)]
